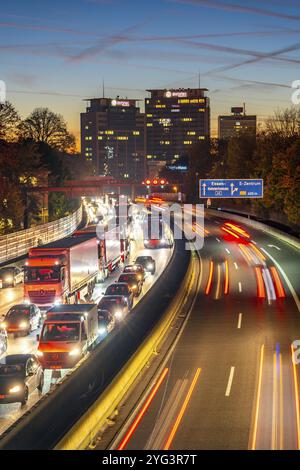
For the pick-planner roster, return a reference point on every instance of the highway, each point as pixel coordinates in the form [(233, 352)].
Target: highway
[(230, 382), (9, 413)]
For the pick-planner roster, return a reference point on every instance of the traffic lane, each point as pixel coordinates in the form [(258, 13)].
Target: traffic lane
[(28, 344), (286, 255), (10, 296)]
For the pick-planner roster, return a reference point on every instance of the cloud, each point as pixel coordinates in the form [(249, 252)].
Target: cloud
[(238, 8)]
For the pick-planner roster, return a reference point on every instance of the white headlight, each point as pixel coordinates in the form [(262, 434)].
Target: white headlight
[(39, 353), (74, 352), (23, 324), (8, 279), (118, 314), (15, 389), (102, 331), (3, 325), (149, 265)]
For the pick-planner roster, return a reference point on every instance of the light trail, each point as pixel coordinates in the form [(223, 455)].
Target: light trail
[(209, 282), (255, 427)]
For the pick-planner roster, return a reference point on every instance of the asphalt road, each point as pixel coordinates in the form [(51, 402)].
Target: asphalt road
[(21, 345), (230, 382)]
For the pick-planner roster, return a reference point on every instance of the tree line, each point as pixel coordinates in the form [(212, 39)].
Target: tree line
[(273, 154), (36, 151)]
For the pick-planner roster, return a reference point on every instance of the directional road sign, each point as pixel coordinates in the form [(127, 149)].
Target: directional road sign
[(231, 188)]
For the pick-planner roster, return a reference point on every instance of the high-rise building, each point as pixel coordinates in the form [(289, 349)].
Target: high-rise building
[(236, 124), (176, 119), (113, 138)]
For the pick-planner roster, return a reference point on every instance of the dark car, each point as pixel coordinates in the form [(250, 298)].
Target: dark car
[(133, 281), (135, 268), (121, 288), (20, 375), (11, 276), (3, 341), (106, 322), (147, 262), (115, 304), (22, 319)]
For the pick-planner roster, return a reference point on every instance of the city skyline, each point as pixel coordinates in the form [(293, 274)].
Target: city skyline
[(236, 47)]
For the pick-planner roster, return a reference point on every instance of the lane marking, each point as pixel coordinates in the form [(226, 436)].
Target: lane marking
[(218, 240), (261, 361), (228, 251), (236, 266), (145, 407), (182, 410), (240, 287), (297, 402), (274, 246), (240, 321), (293, 292), (230, 380)]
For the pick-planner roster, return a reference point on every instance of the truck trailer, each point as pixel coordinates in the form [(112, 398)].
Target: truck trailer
[(67, 334), (63, 271)]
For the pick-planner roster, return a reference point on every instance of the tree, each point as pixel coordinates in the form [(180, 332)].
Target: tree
[(11, 207), (45, 126), (9, 122), (285, 123), (200, 163)]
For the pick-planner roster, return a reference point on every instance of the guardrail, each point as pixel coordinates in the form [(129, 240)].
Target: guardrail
[(46, 424), (17, 244), (289, 239)]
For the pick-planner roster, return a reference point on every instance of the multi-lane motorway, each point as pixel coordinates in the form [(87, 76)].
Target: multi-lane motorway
[(9, 413), (230, 382)]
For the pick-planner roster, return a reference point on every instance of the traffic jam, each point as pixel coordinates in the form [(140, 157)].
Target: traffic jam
[(76, 291)]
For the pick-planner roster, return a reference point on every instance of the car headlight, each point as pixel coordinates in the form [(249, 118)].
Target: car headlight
[(27, 302), (23, 324), (102, 331), (134, 286), (119, 314), (39, 353), (57, 302), (8, 279), (74, 352), (15, 389), (3, 325), (150, 266)]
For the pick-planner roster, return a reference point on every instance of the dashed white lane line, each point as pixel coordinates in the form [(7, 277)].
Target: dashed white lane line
[(218, 240), (230, 380), (227, 251), (236, 266), (274, 246), (240, 321), (240, 287)]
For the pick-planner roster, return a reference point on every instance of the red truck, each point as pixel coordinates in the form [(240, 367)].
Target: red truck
[(62, 271)]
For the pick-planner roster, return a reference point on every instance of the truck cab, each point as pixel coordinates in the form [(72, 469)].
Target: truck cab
[(67, 334)]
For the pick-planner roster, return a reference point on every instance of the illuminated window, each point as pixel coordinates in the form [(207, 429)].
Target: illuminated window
[(86, 127), (201, 110), (122, 137), (201, 137), (136, 132), (191, 133), (109, 132), (186, 119), (149, 157), (100, 137), (188, 142), (149, 124), (88, 137), (183, 101), (149, 115)]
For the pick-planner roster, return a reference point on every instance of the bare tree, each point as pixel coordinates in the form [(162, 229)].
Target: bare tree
[(285, 123), (9, 122), (45, 126)]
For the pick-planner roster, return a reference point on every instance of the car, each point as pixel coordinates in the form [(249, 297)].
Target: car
[(22, 318), (147, 262), (121, 288), (11, 276), (3, 341), (135, 268), (20, 375), (133, 281), (106, 322), (116, 305)]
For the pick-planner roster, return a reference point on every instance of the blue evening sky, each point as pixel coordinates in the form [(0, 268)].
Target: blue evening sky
[(55, 53)]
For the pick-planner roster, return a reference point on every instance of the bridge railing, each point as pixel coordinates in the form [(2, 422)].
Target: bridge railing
[(17, 244)]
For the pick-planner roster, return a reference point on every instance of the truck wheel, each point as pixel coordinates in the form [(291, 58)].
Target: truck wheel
[(25, 397)]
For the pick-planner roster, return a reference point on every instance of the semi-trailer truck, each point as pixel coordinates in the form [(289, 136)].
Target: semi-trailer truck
[(63, 271), (67, 334), (113, 247)]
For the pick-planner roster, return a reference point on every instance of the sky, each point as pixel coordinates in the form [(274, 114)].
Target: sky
[(56, 53)]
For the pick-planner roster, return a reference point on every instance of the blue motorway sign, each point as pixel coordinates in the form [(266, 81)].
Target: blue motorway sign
[(231, 188)]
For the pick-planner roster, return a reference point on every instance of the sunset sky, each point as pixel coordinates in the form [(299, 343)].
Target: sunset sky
[(55, 53)]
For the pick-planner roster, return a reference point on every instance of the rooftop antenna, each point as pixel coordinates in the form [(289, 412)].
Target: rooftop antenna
[(199, 80), (103, 90), (244, 109)]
